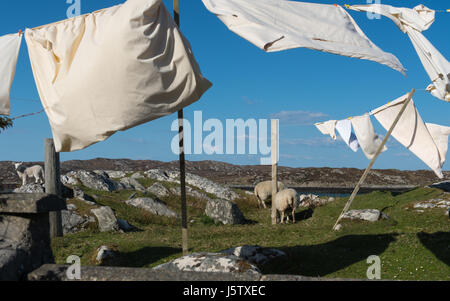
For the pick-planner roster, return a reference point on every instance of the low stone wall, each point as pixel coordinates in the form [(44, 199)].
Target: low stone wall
[(51, 272), (25, 233)]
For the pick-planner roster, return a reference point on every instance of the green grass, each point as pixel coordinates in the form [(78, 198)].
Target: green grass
[(411, 245)]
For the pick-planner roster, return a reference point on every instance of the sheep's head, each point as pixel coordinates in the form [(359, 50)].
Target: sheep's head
[(17, 165)]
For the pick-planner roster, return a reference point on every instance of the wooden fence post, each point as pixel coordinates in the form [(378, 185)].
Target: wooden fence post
[(184, 227), (53, 185), (274, 168)]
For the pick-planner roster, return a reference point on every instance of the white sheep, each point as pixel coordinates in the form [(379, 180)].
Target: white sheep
[(264, 190), (286, 200), (36, 172)]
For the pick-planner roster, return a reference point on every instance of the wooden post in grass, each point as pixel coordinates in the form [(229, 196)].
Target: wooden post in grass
[(53, 185), (380, 149), (184, 228), (274, 168)]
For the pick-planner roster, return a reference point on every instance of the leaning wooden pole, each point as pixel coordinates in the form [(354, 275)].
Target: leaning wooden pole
[(184, 227), (380, 149), (274, 168), (53, 185)]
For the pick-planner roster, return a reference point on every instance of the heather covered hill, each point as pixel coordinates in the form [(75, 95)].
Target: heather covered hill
[(240, 175)]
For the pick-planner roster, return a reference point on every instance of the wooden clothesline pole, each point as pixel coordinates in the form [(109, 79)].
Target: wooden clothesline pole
[(380, 149), (184, 228)]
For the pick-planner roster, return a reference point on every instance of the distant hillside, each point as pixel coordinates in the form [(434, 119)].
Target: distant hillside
[(239, 175)]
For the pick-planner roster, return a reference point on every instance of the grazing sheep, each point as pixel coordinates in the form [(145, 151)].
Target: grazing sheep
[(24, 173), (264, 190), (284, 200)]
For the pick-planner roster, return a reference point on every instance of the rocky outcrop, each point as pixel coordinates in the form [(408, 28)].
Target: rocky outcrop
[(30, 188), (72, 222), (93, 180), (370, 215), (224, 211), (156, 207), (131, 184), (159, 190), (254, 254), (209, 262), (106, 218)]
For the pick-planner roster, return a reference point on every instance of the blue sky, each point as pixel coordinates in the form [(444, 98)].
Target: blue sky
[(299, 86)]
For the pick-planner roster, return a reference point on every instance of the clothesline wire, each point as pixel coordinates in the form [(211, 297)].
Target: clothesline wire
[(437, 11)]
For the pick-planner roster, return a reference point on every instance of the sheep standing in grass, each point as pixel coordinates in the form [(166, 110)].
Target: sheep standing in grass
[(286, 200), (36, 172), (264, 190)]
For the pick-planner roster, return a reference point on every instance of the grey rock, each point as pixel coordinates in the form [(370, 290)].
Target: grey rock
[(191, 192), (103, 254), (158, 175), (71, 207), (445, 186), (94, 180), (210, 262), (72, 222), (115, 174), (124, 225), (224, 211), (159, 190), (137, 176), (30, 188), (254, 254), (156, 207), (370, 215), (107, 220), (69, 179), (82, 196), (207, 185), (132, 184)]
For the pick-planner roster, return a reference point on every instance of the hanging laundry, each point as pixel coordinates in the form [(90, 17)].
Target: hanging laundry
[(111, 70), (327, 128), (367, 138), (279, 25), (411, 131), (440, 136), (9, 52), (344, 128), (413, 22)]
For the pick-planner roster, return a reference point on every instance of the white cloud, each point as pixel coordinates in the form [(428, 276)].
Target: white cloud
[(299, 117)]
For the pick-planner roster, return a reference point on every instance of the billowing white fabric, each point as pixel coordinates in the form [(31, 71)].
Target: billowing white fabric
[(367, 138), (411, 131), (112, 70), (440, 136), (275, 25), (9, 51), (413, 22), (344, 128), (327, 128)]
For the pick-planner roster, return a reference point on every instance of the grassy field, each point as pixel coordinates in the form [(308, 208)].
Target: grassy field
[(411, 245)]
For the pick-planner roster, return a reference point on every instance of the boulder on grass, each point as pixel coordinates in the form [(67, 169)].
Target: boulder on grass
[(224, 211), (156, 207), (107, 220), (254, 254), (210, 262)]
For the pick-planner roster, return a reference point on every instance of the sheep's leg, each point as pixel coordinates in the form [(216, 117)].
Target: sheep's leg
[(24, 180), (293, 215), (282, 217)]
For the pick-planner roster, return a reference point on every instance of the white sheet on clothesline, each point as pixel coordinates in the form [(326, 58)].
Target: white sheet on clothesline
[(275, 25), (111, 70), (413, 22), (9, 52)]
